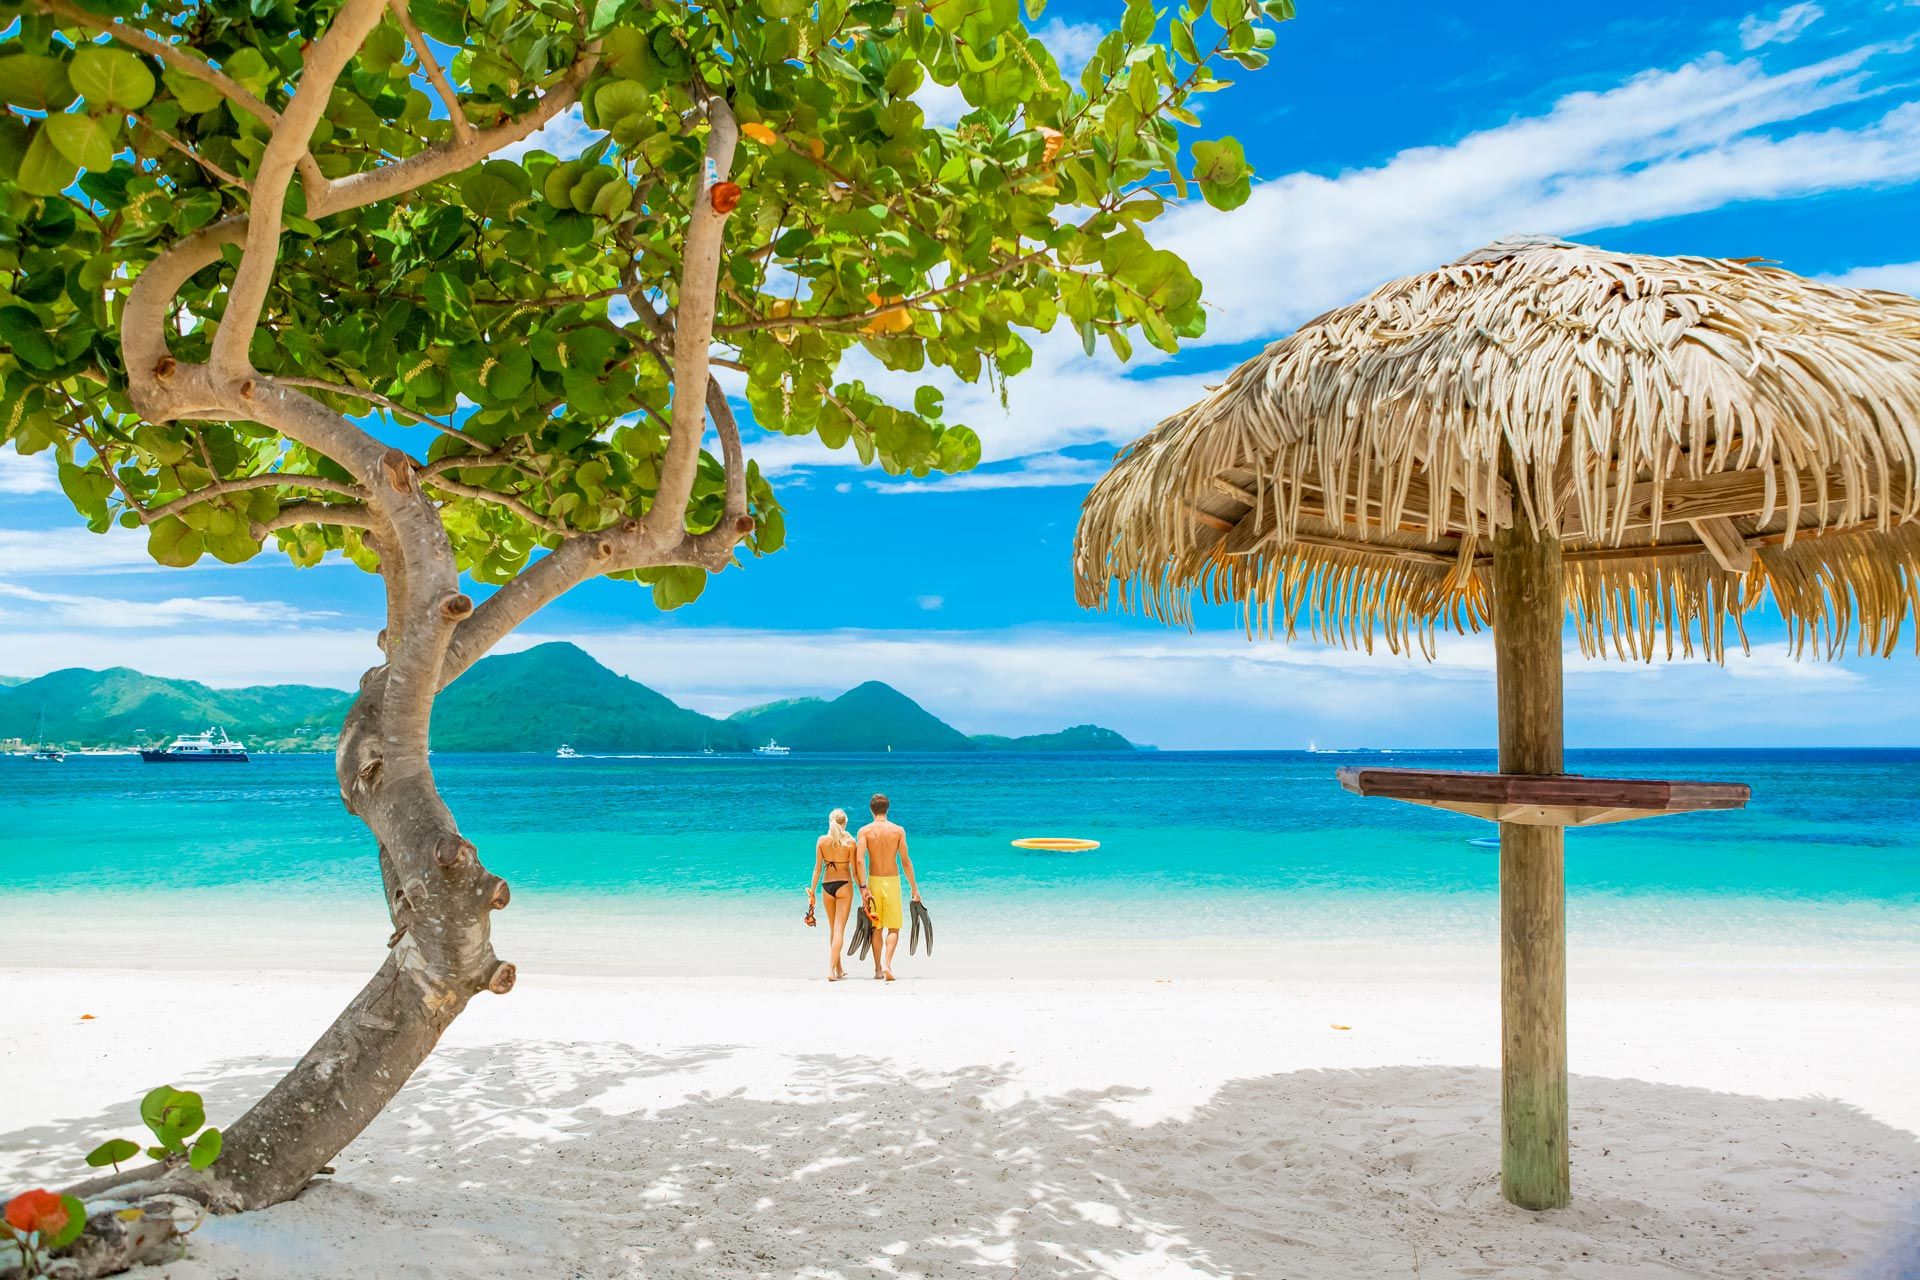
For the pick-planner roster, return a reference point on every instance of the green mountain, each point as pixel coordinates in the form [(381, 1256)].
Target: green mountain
[(776, 720), (534, 700), (11, 680), (551, 694), (878, 717), (121, 706), (868, 717), (1082, 737)]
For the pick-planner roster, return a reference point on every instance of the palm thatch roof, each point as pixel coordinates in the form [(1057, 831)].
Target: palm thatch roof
[(1699, 432)]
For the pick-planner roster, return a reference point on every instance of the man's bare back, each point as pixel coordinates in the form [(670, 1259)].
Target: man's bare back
[(883, 840)]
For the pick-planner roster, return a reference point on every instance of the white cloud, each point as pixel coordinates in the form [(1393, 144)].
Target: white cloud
[(21, 476), (1043, 471), (566, 136), (1072, 44), (39, 608), (1783, 28), (942, 104), (221, 657), (930, 603), (1665, 143), (71, 550), (1900, 277)]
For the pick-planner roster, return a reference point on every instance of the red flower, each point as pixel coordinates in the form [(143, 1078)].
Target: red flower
[(40, 1211), (725, 197)]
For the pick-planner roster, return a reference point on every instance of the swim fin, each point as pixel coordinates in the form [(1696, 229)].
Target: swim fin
[(862, 927), (920, 917)]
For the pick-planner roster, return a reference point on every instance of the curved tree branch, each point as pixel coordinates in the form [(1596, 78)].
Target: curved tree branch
[(351, 515), (693, 329), (244, 484), (430, 67), (326, 57)]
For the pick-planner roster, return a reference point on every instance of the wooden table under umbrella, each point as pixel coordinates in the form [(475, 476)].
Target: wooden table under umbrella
[(1537, 432)]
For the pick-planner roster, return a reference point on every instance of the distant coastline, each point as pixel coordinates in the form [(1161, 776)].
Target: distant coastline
[(537, 700)]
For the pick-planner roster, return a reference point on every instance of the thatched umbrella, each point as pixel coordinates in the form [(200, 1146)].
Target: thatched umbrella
[(1653, 444)]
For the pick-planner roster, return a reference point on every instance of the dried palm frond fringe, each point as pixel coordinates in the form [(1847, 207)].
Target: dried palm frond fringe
[(1349, 478)]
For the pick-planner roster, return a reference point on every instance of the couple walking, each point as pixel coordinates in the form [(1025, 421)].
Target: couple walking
[(873, 862)]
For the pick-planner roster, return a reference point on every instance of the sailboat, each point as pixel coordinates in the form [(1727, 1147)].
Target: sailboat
[(42, 750)]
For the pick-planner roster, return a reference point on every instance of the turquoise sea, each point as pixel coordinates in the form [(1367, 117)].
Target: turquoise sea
[(1218, 845)]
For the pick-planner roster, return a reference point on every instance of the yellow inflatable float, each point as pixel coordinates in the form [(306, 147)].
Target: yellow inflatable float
[(1056, 844)]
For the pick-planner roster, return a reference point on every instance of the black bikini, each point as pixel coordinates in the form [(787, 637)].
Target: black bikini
[(831, 887)]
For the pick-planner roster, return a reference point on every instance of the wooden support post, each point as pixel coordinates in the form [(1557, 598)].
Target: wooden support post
[(1528, 618)]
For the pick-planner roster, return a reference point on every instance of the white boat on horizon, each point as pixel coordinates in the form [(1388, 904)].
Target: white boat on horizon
[(566, 752), (773, 749), (211, 747)]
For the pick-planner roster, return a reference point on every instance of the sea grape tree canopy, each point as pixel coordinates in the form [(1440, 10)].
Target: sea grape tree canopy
[(747, 192)]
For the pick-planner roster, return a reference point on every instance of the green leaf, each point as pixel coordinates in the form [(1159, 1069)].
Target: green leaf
[(448, 296), (1220, 168), (206, 1149), (194, 96), (36, 82), (677, 585), (110, 76), (46, 170), (250, 68), (85, 140), (171, 542), (22, 330), (76, 1223), (112, 1151)]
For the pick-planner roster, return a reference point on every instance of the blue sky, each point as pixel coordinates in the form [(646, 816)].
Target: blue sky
[(1388, 137)]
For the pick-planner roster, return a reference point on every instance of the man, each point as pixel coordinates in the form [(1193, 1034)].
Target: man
[(883, 843)]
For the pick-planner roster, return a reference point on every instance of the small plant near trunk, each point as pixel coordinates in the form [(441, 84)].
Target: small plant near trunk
[(176, 1117)]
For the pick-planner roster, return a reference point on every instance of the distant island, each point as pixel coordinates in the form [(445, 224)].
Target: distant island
[(534, 700)]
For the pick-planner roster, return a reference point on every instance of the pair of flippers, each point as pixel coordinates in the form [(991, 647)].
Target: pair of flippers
[(862, 939), (863, 931), (920, 919)]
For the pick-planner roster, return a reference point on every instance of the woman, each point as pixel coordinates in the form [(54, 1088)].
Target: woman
[(834, 873)]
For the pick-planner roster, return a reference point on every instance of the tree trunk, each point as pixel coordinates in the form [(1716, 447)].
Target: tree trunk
[(440, 956)]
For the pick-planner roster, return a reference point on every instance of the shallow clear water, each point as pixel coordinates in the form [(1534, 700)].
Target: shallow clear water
[(1192, 843)]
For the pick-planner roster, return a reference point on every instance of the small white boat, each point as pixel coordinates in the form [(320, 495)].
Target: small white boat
[(773, 749), (566, 753), (211, 747)]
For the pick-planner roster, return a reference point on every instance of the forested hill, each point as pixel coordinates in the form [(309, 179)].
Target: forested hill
[(555, 694), (123, 707), (878, 717), (534, 700)]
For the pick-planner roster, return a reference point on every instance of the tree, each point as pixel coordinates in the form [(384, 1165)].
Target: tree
[(281, 274)]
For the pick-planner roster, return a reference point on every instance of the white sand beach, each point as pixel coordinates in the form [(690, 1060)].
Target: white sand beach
[(1733, 1116)]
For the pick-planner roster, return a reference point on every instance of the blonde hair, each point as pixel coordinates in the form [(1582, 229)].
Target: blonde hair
[(837, 826)]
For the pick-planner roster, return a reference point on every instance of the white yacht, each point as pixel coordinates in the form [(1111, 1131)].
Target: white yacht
[(566, 752), (211, 747), (773, 749)]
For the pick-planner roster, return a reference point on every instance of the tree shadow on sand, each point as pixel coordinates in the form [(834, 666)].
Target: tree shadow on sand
[(601, 1160)]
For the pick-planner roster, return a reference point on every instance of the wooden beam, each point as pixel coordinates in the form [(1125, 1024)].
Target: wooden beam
[(1313, 506), (1724, 542), (1468, 792), (1528, 590)]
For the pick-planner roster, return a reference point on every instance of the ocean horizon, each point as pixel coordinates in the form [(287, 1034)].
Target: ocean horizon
[(1201, 849)]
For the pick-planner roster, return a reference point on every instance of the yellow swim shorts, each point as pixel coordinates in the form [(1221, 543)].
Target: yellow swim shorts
[(886, 901)]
